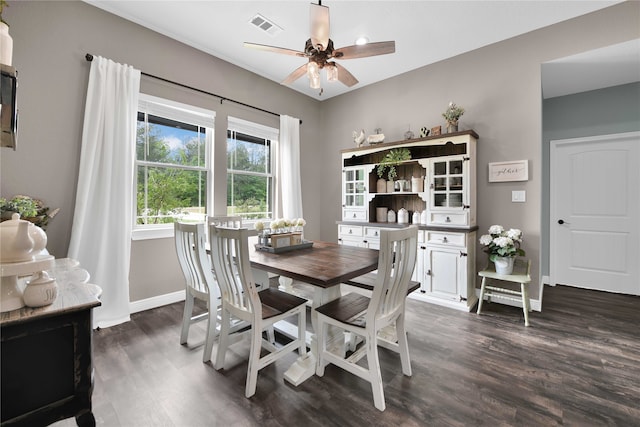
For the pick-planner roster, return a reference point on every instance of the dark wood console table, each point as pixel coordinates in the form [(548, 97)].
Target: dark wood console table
[(46, 358)]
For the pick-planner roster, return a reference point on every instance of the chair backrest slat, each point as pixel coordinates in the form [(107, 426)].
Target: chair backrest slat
[(231, 264), (192, 255), (398, 252)]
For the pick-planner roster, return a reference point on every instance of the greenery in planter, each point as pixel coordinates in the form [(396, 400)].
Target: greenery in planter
[(30, 209), (392, 159), (3, 4)]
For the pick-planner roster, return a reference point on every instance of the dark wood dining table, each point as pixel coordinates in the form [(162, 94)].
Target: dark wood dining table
[(325, 266)]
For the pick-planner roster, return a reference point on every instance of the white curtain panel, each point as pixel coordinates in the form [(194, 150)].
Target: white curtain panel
[(103, 216), (289, 166)]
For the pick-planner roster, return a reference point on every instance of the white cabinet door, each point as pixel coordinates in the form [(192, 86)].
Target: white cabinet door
[(449, 191), (444, 274), (355, 194)]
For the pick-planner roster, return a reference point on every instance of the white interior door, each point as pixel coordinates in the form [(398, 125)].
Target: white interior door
[(595, 212)]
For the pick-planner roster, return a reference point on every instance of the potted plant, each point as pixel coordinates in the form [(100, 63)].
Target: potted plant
[(32, 210), (452, 115), (389, 162), (503, 246)]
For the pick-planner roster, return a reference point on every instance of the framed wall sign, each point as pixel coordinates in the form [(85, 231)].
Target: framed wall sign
[(517, 170)]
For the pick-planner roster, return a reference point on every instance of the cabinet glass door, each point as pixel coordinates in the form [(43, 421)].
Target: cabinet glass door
[(447, 184), (354, 188)]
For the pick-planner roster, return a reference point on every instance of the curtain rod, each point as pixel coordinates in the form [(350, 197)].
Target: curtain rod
[(89, 57)]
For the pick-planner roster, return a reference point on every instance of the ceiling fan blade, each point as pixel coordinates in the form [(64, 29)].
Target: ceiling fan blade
[(362, 51), (298, 72), (319, 20), (345, 76), (274, 49)]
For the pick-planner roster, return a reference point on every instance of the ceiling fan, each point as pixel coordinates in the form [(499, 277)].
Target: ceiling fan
[(322, 55)]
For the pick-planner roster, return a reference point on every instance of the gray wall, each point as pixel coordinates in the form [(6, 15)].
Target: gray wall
[(597, 112), (50, 41), (498, 85)]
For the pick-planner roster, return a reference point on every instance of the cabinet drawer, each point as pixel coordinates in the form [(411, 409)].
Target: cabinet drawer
[(354, 215), (350, 231), (446, 238), (449, 219), (372, 232), (349, 241)]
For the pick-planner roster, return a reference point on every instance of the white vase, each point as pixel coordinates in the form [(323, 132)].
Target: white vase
[(6, 45), (381, 214), (381, 186), (504, 265)]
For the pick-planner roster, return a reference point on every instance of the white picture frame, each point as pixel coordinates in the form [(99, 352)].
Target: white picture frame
[(516, 170)]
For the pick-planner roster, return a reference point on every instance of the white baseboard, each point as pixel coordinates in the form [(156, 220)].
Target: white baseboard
[(546, 280), (157, 301)]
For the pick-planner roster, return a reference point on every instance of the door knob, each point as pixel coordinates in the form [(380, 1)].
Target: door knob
[(561, 221)]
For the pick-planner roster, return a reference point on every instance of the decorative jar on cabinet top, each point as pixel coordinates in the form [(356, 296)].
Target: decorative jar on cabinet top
[(41, 291), (391, 216), (403, 216)]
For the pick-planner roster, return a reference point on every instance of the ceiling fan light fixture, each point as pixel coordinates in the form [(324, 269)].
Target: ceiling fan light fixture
[(361, 41), (313, 70), (332, 73), (314, 82)]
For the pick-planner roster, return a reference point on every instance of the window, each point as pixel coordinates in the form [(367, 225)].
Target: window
[(250, 179), (173, 164)]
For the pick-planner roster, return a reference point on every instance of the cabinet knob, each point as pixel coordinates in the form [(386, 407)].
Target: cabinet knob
[(376, 233), (445, 240), (354, 214), (350, 231), (428, 273), (466, 207), (447, 220), (462, 254)]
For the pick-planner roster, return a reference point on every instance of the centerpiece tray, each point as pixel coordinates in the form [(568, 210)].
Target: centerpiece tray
[(304, 245)]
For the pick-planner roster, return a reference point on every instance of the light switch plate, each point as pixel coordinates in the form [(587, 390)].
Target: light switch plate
[(519, 196)]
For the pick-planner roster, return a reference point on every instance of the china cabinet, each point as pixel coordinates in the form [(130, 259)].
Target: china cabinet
[(446, 207)]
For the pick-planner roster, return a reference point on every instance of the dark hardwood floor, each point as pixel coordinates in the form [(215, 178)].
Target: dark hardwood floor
[(577, 364)]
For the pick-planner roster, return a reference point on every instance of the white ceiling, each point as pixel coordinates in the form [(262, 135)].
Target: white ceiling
[(425, 31)]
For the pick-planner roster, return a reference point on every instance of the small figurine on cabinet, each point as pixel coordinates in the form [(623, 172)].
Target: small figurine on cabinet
[(437, 130), (358, 138), (424, 132)]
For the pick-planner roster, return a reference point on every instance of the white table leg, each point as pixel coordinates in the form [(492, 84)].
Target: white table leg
[(305, 366)]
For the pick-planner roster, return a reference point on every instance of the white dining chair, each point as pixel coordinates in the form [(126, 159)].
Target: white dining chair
[(235, 221), (241, 299), (200, 282), (365, 316)]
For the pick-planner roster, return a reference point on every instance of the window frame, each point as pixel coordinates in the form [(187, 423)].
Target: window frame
[(236, 125), (187, 114)]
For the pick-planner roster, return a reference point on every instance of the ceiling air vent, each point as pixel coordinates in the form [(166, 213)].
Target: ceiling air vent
[(265, 25)]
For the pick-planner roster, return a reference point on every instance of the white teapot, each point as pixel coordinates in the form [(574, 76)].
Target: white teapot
[(16, 245)]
